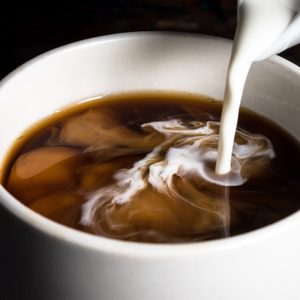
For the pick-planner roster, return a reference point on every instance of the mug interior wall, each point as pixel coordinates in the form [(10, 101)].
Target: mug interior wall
[(195, 64)]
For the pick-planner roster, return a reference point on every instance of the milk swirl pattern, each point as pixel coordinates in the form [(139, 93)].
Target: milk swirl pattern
[(143, 170), (187, 153)]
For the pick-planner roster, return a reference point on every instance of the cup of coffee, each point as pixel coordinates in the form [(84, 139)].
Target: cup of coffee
[(63, 181)]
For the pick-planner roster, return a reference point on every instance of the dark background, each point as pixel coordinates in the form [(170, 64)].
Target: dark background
[(28, 30), (31, 30)]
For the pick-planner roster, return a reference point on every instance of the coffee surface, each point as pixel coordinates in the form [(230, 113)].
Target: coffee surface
[(140, 167)]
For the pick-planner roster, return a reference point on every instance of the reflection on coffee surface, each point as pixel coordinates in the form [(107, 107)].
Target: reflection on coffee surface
[(140, 167)]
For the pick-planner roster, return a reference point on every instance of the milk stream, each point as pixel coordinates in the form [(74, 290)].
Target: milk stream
[(265, 27)]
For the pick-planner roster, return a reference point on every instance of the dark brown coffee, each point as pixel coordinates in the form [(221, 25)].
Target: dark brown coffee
[(140, 167)]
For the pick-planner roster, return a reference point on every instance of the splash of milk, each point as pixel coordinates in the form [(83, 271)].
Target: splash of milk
[(187, 150), (265, 27)]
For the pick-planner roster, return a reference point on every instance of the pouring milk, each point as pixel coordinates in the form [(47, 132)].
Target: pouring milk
[(265, 27)]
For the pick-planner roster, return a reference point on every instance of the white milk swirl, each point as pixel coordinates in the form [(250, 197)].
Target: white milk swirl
[(189, 150)]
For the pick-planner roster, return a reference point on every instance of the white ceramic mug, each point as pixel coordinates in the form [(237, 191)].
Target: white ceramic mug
[(61, 263)]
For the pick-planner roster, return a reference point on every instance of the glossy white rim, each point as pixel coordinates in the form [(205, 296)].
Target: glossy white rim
[(138, 249)]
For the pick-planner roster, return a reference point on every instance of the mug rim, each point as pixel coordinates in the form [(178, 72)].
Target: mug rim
[(129, 248)]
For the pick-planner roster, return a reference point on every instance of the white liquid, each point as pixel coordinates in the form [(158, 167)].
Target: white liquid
[(261, 22), (187, 152)]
